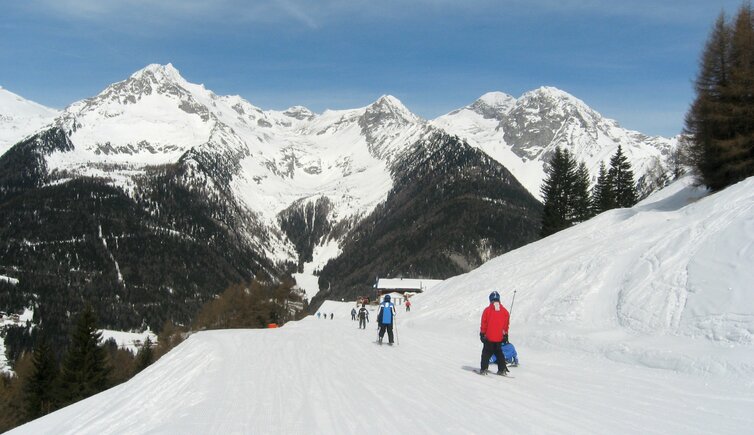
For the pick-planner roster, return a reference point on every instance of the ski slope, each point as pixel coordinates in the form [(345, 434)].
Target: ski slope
[(638, 321), (327, 376)]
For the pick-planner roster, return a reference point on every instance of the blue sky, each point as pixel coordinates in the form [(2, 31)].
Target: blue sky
[(631, 60)]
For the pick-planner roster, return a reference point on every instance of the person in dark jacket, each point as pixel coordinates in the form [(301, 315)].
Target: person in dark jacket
[(363, 316), (386, 318), (492, 332)]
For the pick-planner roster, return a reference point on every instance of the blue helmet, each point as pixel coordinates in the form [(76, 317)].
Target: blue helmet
[(387, 298), (494, 296)]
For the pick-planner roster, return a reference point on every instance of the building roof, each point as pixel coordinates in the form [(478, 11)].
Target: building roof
[(406, 284)]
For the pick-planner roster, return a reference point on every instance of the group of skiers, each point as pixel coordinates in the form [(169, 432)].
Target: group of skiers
[(385, 317), (493, 330), (325, 315)]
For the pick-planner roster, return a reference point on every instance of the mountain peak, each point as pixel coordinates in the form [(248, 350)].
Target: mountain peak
[(493, 105), (160, 73), (299, 112), (496, 98), (553, 94), (388, 105)]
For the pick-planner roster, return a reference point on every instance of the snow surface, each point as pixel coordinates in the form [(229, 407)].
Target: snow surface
[(638, 321), (308, 280), (6, 321), (20, 118), (9, 279), (129, 340)]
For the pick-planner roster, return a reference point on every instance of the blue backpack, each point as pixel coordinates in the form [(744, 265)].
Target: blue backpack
[(386, 313), (510, 354)]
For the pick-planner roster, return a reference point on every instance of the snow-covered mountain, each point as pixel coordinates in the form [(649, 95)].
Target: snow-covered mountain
[(19, 118), (523, 133), (273, 160), (158, 169), (270, 160), (155, 163), (641, 318)]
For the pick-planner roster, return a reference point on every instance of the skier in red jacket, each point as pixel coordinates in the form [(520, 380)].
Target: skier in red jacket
[(492, 332)]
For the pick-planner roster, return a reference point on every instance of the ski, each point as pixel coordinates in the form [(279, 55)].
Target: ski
[(477, 371)]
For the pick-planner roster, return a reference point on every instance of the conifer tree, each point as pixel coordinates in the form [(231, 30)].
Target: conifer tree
[(85, 371), (738, 153), (720, 123), (41, 387), (145, 357), (603, 198), (581, 200), (621, 178), (557, 192)]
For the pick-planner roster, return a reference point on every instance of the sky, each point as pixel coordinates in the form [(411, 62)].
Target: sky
[(631, 60)]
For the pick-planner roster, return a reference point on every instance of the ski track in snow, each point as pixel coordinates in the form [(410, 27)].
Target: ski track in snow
[(327, 376)]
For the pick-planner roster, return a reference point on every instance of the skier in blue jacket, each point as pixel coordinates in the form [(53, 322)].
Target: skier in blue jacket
[(386, 318)]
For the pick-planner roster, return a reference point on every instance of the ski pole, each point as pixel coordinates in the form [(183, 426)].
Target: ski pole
[(395, 323), (512, 301), (510, 313)]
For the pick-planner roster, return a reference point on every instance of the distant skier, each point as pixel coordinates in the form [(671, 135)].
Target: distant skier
[(318, 314), (363, 316), (386, 318), (331, 314), (408, 305), (492, 332), (353, 313)]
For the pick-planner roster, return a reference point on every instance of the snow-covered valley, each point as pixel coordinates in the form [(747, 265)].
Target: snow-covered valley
[(639, 320)]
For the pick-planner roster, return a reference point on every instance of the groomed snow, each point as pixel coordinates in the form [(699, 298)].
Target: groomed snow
[(639, 321)]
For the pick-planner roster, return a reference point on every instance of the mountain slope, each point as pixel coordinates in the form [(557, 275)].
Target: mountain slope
[(605, 343), (19, 118), (452, 208), (523, 133)]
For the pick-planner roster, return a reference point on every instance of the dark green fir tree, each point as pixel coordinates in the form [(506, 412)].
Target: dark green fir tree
[(557, 193), (145, 357), (85, 371), (582, 201), (602, 193), (621, 177), (42, 394)]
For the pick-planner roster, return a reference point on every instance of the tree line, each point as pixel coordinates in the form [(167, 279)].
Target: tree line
[(567, 197)]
